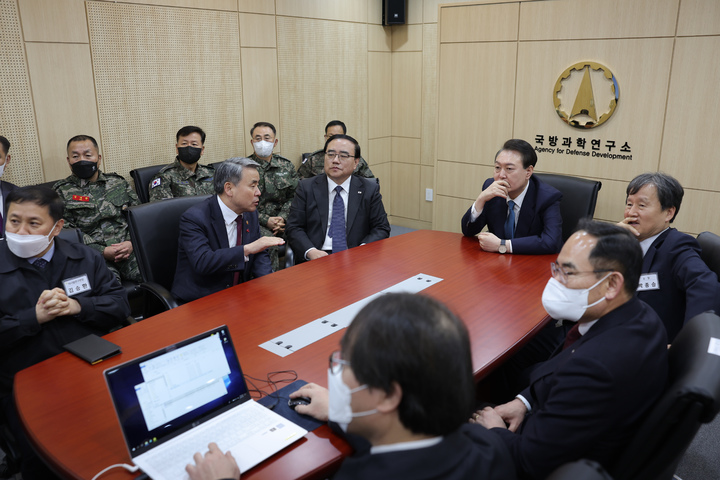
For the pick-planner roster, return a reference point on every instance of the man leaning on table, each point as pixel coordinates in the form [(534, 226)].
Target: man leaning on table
[(404, 413), (521, 212), (587, 400), (220, 243), (53, 292), (336, 210)]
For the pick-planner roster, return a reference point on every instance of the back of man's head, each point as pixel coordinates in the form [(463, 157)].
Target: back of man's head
[(39, 195), (616, 250), (231, 170), (416, 342)]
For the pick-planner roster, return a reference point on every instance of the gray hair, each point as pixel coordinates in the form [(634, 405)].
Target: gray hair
[(669, 191), (231, 170)]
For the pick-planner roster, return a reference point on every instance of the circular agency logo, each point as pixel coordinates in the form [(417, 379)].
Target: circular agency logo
[(575, 87)]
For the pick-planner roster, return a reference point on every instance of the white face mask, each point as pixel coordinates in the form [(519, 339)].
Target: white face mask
[(340, 396), (263, 148), (27, 246), (563, 303)]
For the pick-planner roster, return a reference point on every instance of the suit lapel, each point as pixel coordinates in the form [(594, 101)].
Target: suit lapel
[(527, 211), (320, 191), (357, 190), (650, 255), (217, 221)]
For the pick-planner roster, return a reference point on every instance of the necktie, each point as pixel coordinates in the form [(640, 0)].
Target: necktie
[(337, 223), (238, 242), (510, 222), (40, 264), (572, 336)]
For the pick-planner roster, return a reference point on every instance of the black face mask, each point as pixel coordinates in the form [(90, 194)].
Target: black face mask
[(189, 154), (84, 169)]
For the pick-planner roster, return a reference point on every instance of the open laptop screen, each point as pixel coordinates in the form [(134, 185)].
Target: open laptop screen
[(162, 394)]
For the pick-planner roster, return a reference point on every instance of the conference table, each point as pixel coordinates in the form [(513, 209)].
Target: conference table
[(67, 412)]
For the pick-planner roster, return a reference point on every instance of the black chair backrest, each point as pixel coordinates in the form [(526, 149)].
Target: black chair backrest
[(579, 198), (580, 470), (142, 176), (71, 235), (215, 165), (692, 398), (154, 230), (710, 244)]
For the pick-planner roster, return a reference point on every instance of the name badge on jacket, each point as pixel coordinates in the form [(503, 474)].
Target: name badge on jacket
[(648, 281), (76, 285)]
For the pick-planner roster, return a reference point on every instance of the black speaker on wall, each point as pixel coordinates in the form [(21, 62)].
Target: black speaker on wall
[(394, 12)]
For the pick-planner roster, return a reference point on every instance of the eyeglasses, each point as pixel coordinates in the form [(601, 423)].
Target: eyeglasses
[(559, 272), (336, 362), (332, 154)]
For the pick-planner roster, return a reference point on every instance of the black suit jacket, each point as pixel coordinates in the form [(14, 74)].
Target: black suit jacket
[(587, 400), (539, 225), (5, 188), (308, 221), (206, 263), (687, 287)]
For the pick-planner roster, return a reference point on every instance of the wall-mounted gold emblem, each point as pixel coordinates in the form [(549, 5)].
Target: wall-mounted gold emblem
[(586, 95)]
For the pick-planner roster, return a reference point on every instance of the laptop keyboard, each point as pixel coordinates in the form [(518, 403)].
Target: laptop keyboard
[(226, 431)]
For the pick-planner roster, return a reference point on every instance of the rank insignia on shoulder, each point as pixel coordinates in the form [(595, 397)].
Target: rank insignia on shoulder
[(81, 198)]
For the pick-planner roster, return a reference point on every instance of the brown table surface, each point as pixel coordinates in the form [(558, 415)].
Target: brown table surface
[(64, 404)]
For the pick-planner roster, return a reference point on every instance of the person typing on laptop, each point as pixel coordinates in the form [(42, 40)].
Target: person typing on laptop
[(404, 412)]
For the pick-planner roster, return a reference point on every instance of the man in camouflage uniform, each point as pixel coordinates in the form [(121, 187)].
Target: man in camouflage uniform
[(315, 163), (94, 202), (278, 180), (185, 177)]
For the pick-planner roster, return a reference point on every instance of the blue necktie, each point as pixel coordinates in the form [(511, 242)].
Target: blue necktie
[(337, 223), (510, 222)]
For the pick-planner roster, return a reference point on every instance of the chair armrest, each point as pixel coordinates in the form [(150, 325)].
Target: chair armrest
[(157, 299)]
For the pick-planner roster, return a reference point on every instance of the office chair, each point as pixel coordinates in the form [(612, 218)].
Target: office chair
[(580, 470), (141, 177), (710, 245), (579, 198), (154, 230), (691, 399), (74, 235)]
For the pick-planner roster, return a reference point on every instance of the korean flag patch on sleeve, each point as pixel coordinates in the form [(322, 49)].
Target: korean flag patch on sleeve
[(155, 183)]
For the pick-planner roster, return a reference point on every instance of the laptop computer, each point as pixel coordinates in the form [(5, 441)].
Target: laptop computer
[(173, 402)]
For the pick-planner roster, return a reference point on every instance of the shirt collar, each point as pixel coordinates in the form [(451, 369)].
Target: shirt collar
[(584, 327), (228, 215), (345, 185), (645, 244), (519, 199), (413, 445)]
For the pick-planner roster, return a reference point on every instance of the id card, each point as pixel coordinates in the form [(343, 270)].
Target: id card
[(76, 285), (648, 281)]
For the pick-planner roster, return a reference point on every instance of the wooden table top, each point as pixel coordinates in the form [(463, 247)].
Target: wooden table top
[(66, 409)]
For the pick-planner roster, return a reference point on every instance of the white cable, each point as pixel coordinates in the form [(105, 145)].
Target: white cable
[(129, 468)]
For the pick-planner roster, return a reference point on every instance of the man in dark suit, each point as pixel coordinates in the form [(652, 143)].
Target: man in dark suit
[(5, 187), (220, 243), (675, 281), (587, 400), (336, 210), (404, 413), (521, 212)]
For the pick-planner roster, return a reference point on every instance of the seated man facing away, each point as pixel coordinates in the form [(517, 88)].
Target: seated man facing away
[(675, 281), (587, 400), (94, 203), (185, 177), (409, 408), (336, 210), (220, 243), (315, 163), (521, 212), (53, 292)]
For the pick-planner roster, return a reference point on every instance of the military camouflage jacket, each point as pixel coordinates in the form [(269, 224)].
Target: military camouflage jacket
[(96, 208), (315, 165), (278, 181), (174, 180)]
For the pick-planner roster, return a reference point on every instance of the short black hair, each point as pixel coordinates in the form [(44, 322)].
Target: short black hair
[(334, 123), (5, 143), (187, 130), (416, 342), (39, 195), (669, 191), (529, 157), (83, 138), (346, 137), (263, 124), (616, 249), (231, 170)]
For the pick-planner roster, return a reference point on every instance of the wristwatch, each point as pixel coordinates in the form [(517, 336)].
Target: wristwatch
[(502, 248)]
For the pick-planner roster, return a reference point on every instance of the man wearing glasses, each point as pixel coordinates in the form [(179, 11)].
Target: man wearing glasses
[(586, 401), (405, 411), (336, 210), (314, 164)]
